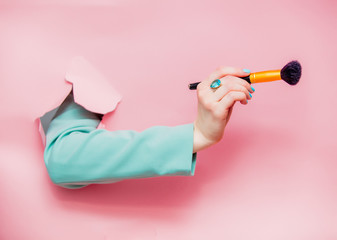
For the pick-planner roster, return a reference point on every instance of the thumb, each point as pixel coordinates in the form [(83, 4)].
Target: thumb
[(224, 71)]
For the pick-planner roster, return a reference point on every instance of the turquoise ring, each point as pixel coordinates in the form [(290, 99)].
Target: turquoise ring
[(215, 84)]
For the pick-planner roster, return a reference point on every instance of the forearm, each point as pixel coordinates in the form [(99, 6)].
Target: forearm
[(102, 156)]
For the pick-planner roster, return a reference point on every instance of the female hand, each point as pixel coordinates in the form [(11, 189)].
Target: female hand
[(216, 105)]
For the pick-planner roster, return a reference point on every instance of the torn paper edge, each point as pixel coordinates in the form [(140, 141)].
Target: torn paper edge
[(82, 72)]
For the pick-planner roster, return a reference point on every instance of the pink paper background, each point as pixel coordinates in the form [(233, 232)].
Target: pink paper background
[(274, 175)]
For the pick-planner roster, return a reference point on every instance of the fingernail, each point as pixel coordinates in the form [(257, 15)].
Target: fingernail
[(246, 70), (252, 88), (250, 95)]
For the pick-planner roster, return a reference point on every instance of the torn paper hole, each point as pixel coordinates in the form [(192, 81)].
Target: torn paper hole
[(91, 90)]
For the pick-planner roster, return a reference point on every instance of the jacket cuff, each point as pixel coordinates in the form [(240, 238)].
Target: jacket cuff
[(183, 161)]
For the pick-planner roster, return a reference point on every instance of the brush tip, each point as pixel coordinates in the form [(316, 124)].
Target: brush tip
[(291, 73)]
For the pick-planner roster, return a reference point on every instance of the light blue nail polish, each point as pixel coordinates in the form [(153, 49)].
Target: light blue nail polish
[(252, 88), (250, 95), (246, 70)]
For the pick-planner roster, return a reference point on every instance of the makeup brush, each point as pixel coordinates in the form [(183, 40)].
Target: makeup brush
[(290, 73)]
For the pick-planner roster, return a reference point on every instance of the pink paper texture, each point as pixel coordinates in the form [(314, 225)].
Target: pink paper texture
[(90, 88), (274, 174)]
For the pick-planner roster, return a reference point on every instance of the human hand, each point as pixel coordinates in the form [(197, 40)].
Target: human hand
[(216, 105)]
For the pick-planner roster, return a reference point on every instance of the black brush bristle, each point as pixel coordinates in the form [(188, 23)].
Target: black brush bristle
[(291, 73)]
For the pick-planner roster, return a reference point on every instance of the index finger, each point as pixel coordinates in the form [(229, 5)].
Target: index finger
[(222, 72)]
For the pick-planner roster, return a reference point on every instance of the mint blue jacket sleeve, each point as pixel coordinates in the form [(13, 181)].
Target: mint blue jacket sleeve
[(78, 154)]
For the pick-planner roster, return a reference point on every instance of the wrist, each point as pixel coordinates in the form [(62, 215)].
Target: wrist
[(199, 140)]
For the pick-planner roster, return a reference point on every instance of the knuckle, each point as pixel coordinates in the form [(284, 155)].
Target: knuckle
[(230, 96), (245, 83), (225, 69), (243, 96), (243, 89), (229, 69), (226, 80)]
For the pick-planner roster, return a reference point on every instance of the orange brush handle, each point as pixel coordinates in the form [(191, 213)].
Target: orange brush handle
[(265, 76)]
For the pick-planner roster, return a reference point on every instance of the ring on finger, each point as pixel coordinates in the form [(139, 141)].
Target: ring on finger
[(215, 84)]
